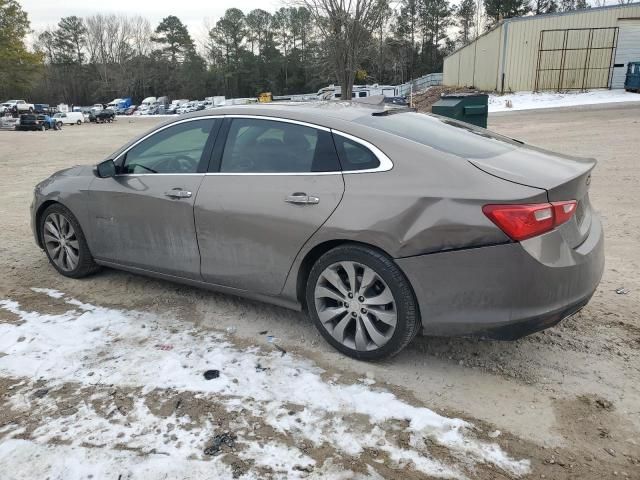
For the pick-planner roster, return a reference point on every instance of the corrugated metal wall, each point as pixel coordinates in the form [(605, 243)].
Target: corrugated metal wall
[(479, 64), (628, 50), (475, 65)]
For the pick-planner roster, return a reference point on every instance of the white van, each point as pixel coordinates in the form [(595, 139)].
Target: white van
[(69, 118)]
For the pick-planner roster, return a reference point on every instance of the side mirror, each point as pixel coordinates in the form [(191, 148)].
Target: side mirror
[(106, 169)]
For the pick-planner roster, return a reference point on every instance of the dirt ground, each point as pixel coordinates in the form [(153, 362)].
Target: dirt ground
[(567, 398)]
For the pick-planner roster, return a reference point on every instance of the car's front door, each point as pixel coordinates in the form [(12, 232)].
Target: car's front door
[(275, 184), (143, 216)]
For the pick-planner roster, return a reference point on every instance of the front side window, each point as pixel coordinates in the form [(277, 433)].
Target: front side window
[(268, 146), (176, 149)]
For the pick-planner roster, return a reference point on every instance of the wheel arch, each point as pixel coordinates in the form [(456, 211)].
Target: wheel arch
[(38, 217), (314, 254)]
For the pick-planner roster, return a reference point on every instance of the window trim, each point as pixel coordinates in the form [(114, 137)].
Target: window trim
[(123, 154), (385, 162)]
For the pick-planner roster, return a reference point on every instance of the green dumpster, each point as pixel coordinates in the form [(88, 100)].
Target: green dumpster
[(632, 81), (466, 107)]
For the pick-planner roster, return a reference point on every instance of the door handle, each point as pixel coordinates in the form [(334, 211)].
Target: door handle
[(300, 198), (178, 193)]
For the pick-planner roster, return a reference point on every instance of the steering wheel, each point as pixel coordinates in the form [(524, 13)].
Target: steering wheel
[(178, 164)]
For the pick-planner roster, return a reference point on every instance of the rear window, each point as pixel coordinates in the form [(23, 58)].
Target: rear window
[(443, 134), (28, 117)]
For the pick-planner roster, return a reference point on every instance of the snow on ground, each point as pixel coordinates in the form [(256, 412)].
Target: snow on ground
[(68, 367), (531, 100)]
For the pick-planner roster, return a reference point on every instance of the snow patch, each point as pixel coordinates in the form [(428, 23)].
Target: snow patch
[(531, 100), (97, 346)]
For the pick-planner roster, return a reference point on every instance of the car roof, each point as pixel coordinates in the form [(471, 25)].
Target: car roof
[(329, 114), (338, 115)]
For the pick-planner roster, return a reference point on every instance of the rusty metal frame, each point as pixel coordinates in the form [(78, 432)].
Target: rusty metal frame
[(586, 68)]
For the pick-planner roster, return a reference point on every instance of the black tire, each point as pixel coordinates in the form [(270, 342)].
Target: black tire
[(86, 264), (408, 318), (79, 122), (59, 124)]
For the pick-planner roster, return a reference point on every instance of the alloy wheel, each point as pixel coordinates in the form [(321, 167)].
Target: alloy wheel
[(355, 305), (61, 242)]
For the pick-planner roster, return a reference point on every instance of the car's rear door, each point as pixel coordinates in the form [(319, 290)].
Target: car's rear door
[(273, 184), (143, 217)]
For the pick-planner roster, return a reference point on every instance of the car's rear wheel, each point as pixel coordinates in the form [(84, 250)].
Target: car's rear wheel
[(65, 243), (362, 303), (79, 122)]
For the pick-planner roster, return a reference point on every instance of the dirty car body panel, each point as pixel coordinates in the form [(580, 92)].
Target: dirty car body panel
[(238, 232)]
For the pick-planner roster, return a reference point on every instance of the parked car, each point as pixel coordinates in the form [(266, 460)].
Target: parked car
[(106, 115), (42, 108), (187, 107), (32, 121), (86, 115), (378, 223), (18, 106), (396, 101), (130, 110), (175, 104), (69, 118)]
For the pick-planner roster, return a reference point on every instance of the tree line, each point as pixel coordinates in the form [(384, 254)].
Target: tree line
[(295, 49)]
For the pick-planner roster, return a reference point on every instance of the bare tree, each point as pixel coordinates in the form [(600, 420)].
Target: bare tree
[(141, 36), (346, 26)]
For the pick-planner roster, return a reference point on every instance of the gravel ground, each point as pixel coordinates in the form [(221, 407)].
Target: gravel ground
[(567, 398)]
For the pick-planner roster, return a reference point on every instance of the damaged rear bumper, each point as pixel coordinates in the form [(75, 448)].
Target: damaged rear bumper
[(506, 291)]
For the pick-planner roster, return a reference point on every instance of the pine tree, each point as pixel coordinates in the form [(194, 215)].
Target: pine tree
[(407, 28), (497, 10), (174, 39), (69, 40), (465, 15), (18, 65), (544, 6)]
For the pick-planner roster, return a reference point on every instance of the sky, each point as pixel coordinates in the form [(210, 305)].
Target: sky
[(194, 13)]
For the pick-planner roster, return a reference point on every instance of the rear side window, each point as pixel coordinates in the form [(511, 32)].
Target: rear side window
[(354, 156), (443, 134), (268, 146)]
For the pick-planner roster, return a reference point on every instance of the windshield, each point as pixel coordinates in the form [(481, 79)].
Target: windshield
[(441, 133)]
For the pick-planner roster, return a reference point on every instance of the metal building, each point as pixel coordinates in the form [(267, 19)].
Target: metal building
[(558, 51)]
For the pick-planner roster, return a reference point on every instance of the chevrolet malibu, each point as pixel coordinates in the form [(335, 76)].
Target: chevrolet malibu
[(379, 223)]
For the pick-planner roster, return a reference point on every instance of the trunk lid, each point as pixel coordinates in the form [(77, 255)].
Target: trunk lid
[(563, 177)]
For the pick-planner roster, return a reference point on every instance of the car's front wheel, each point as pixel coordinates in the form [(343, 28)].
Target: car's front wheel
[(362, 303), (65, 243)]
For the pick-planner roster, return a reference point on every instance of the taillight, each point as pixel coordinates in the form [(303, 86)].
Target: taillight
[(522, 221)]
